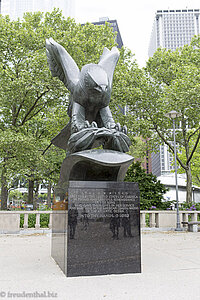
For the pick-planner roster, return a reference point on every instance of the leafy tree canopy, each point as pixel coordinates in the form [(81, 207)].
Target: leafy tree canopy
[(151, 189), (195, 162), (171, 81), (33, 104)]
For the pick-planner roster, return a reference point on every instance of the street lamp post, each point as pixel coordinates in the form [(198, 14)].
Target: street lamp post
[(193, 191), (173, 115)]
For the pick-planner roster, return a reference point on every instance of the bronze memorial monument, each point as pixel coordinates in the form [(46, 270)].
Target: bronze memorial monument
[(96, 227)]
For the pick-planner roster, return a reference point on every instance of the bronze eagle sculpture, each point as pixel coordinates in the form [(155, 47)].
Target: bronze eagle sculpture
[(91, 123)]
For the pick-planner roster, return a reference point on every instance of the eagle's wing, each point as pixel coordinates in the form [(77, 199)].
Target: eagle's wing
[(62, 64), (61, 139), (108, 61)]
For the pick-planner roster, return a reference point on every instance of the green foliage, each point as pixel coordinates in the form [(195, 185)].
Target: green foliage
[(195, 162), (171, 81), (31, 220), (21, 220), (126, 90), (43, 196), (33, 103), (147, 222), (22, 152), (151, 190), (15, 195), (43, 207), (190, 206), (138, 149), (44, 220)]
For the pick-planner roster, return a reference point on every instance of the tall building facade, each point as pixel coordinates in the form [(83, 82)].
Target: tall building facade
[(174, 28), (16, 8), (162, 161), (171, 29)]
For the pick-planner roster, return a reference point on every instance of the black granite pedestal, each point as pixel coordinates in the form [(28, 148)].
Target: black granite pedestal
[(96, 227)]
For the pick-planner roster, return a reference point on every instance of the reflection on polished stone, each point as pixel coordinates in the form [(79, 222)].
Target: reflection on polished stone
[(59, 231), (103, 235)]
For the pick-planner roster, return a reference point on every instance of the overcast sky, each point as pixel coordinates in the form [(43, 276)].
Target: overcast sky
[(134, 18)]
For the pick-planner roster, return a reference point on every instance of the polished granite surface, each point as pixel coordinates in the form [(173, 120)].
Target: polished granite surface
[(96, 229)]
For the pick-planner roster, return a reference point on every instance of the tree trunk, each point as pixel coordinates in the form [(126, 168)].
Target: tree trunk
[(30, 191), (49, 194), (4, 188), (189, 185), (35, 198)]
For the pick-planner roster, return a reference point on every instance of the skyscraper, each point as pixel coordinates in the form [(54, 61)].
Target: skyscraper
[(174, 28), (171, 29), (16, 8)]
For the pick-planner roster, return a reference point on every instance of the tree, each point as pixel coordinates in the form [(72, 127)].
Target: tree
[(151, 189), (33, 104), (195, 162), (138, 149), (27, 88), (22, 155), (171, 81), (126, 89)]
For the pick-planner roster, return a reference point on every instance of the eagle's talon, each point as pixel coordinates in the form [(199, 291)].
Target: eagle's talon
[(94, 124), (118, 127), (124, 129), (108, 125), (86, 124)]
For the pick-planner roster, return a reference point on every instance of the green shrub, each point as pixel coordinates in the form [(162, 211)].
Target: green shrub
[(147, 220), (190, 206), (44, 220), (21, 220), (151, 189)]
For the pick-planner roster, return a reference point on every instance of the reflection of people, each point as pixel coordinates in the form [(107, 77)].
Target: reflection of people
[(115, 224), (126, 223), (72, 220), (85, 219)]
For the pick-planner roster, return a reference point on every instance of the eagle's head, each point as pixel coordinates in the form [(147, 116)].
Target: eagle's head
[(94, 78)]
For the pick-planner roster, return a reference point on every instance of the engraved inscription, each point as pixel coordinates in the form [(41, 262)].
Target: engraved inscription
[(99, 203)]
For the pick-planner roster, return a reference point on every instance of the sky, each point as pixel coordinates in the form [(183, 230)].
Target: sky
[(134, 18)]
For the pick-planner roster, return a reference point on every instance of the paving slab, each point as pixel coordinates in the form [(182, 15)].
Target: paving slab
[(170, 270)]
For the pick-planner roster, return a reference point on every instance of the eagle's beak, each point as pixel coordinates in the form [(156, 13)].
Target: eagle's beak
[(103, 87), (98, 88)]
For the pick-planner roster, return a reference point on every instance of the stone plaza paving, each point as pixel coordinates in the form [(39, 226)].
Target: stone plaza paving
[(170, 270)]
